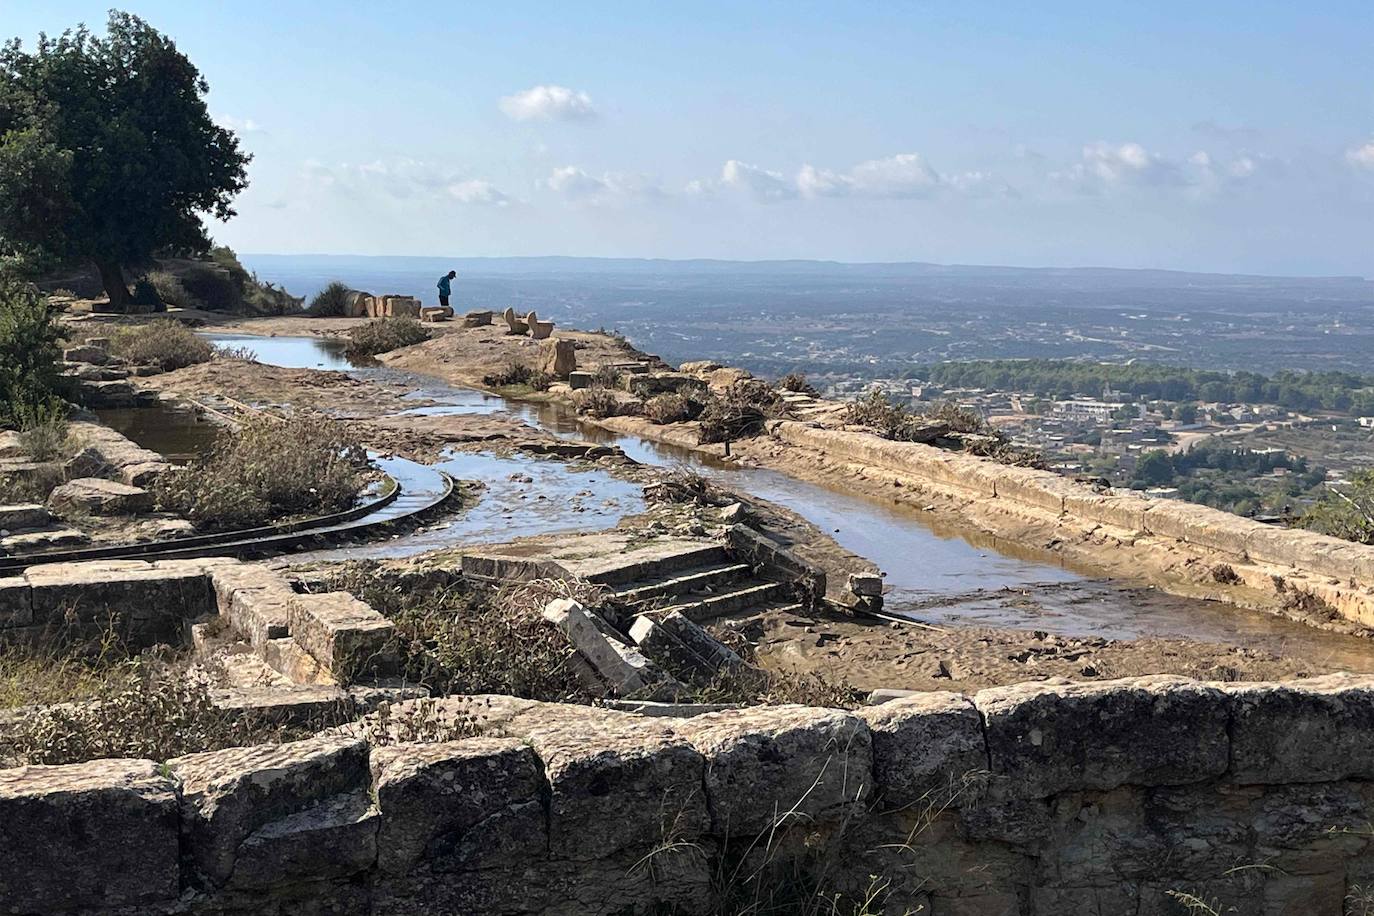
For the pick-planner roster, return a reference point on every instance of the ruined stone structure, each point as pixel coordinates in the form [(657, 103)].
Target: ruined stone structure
[(1033, 800), (359, 304)]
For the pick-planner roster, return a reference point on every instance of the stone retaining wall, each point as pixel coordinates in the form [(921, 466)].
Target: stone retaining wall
[(1339, 571), (1029, 800)]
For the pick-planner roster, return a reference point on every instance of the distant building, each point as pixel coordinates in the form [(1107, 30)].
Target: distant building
[(1367, 422), (1084, 409)]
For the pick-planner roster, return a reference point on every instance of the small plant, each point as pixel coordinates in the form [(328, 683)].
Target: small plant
[(517, 374), (43, 434), (672, 408), (266, 471), (607, 377), (163, 342), (596, 402), (1347, 512), (385, 335), (331, 302), (796, 381), (170, 290)]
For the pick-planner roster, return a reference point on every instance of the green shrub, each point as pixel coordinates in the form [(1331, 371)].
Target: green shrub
[(1345, 513), (163, 342), (516, 374), (330, 302), (606, 377), (170, 290), (145, 296), (384, 335), (31, 384), (266, 471)]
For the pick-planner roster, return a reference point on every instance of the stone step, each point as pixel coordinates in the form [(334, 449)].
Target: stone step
[(23, 516), (679, 583), (661, 566), (750, 593), (45, 538)]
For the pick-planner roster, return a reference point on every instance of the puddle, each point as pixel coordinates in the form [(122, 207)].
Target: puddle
[(288, 352), (934, 574), (179, 434), (523, 496)]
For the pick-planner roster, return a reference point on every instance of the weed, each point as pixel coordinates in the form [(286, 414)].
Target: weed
[(596, 402), (607, 377), (683, 485), (31, 384), (516, 374), (385, 335), (672, 408), (43, 435), (796, 381), (268, 470), (163, 342), (739, 412)]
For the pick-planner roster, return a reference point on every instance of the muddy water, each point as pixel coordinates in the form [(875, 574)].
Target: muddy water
[(178, 434), (934, 574)]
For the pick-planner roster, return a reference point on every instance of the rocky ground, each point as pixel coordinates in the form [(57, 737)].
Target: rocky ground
[(868, 654)]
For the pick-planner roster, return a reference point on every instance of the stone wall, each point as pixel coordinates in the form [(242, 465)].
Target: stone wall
[(1031, 800), (1340, 572)]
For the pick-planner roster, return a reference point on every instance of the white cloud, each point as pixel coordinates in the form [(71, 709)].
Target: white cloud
[(763, 184), (237, 125), (402, 179), (477, 191), (574, 184), (1105, 167), (905, 175), (1361, 157), (548, 103)]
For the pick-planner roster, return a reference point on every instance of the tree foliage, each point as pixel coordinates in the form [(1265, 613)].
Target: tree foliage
[(1061, 378), (108, 152), (1346, 511)]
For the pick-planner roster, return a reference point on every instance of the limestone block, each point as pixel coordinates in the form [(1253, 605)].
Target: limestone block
[(1151, 731), (1318, 730), (923, 744), (1201, 525), (146, 605), (558, 357), (16, 603), (774, 765), (255, 601), (616, 782), (333, 839), (228, 795), (433, 794), (539, 330), (623, 668), (302, 704), (866, 584), (343, 634), (143, 473), (579, 380), (478, 318), (683, 648), (23, 515), (86, 354), (1121, 511), (89, 462), (97, 835), (94, 496)]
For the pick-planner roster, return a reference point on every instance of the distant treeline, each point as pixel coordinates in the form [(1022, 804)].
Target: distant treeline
[(1058, 378)]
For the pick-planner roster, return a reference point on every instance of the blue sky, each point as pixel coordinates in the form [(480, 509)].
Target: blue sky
[(1214, 136)]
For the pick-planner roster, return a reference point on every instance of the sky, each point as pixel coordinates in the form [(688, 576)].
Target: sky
[(1218, 136)]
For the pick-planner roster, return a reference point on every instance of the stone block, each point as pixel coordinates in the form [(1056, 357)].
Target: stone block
[(16, 603), (869, 585), (89, 462), (315, 705), (96, 356), (616, 782), (144, 605), (23, 515), (1150, 731), (143, 473), (579, 380), (96, 496), (91, 836), (432, 795), (923, 745), (343, 634), (255, 601), (558, 357), (624, 669), (333, 839), (779, 765), (478, 318), (1318, 730), (229, 795)]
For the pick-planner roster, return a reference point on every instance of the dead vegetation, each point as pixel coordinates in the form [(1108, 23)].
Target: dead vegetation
[(385, 335), (740, 412), (268, 470), (163, 342), (673, 407), (948, 425), (796, 382), (600, 403), (516, 374)]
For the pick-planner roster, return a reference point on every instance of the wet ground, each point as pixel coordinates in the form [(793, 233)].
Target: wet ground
[(934, 575)]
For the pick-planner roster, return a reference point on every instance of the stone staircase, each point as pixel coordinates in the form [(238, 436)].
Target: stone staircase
[(700, 584)]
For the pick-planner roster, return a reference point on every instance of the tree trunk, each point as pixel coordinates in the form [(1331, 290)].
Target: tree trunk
[(112, 278)]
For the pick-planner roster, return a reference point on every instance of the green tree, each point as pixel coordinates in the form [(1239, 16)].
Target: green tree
[(1346, 512), (108, 152), (1154, 469), (30, 344)]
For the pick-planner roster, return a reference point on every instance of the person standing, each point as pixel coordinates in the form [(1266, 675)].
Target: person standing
[(446, 287)]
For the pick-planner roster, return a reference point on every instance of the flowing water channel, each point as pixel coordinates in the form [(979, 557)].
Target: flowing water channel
[(933, 573)]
